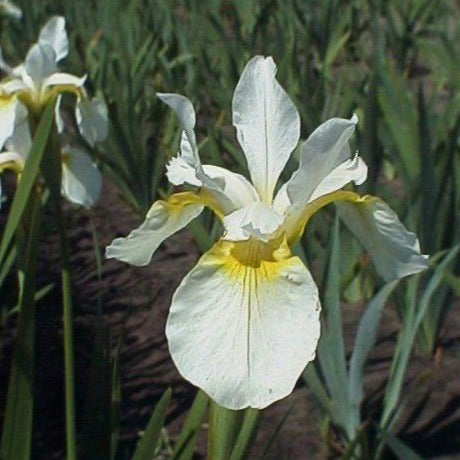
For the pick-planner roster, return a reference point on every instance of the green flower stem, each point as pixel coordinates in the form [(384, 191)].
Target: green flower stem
[(231, 432), (52, 173), (224, 426)]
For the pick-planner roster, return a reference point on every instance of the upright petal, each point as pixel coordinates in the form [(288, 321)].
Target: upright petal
[(186, 114), (324, 151), (186, 168), (92, 119), (267, 124), (40, 63), (163, 220), (81, 180), (244, 323), (394, 250), (235, 186), (53, 34)]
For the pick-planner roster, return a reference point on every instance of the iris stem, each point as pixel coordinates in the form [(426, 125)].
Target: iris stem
[(52, 173)]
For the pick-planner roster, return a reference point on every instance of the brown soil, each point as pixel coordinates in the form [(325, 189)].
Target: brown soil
[(139, 298)]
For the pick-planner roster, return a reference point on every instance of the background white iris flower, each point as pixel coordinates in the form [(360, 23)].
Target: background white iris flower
[(244, 322), (25, 92)]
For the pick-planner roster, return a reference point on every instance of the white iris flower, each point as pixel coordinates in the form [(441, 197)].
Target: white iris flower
[(35, 81), (26, 91), (244, 322)]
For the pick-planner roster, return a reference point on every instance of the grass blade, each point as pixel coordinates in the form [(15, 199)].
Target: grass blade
[(145, 449), (185, 445)]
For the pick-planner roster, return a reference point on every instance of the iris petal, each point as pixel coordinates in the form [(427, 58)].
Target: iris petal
[(244, 323), (267, 124), (163, 220)]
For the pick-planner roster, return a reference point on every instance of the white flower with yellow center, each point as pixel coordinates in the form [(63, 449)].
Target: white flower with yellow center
[(244, 322), (81, 180), (35, 81), (26, 91)]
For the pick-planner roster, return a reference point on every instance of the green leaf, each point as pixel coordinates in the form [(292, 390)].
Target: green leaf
[(407, 336), (399, 448), (247, 435), (28, 177), (224, 426), (146, 446), (185, 445), (17, 424), (331, 352), (364, 342)]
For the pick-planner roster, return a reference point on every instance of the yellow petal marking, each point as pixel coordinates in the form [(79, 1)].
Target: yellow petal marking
[(177, 201), (253, 260), (295, 231)]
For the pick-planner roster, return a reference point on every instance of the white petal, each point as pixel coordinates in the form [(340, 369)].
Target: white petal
[(40, 63), (92, 119), (180, 172), (20, 141), (186, 114), (81, 180), (267, 124), (53, 34), (350, 170), (235, 186), (8, 109), (62, 78), (394, 250), (57, 115), (244, 329), (12, 86), (256, 220), (10, 9), (163, 220), (325, 149), (187, 167)]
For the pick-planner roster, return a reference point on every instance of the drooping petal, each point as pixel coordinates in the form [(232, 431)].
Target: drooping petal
[(81, 179), (92, 119), (13, 85), (394, 250), (163, 220), (8, 111), (53, 34), (256, 220), (325, 150), (244, 323), (40, 63), (64, 79), (267, 124), (20, 140)]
